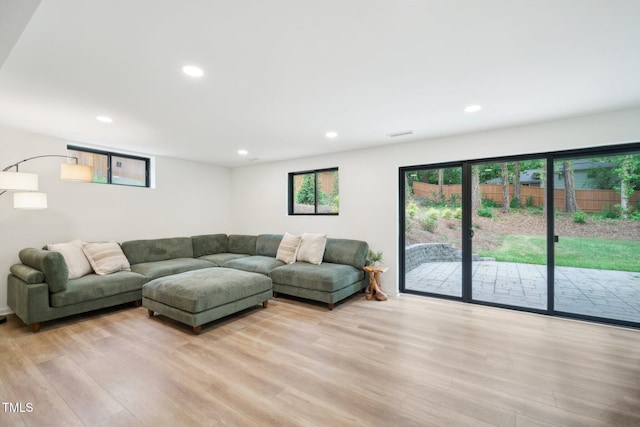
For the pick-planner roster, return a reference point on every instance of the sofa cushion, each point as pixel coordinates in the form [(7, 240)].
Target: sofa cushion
[(311, 248), (75, 258), (219, 259), (346, 251), (241, 244), (327, 277), (152, 270), (27, 274), (94, 287), (106, 258), (267, 244), (288, 248), (139, 251), (208, 244), (52, 264), (196, 291), (255, 264)]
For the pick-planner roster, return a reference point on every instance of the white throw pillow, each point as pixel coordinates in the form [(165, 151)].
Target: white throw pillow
[(312, 248), (288, 248), (77, 262), (106, 258)]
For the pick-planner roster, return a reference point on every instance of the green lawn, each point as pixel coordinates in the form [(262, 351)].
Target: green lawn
[(605, 254)]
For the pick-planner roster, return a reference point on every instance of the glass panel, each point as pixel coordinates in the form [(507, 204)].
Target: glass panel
[(128, 171), (433, 224), (304, 199), (597, 223), (99, 163), (510, 234), (328, 199)]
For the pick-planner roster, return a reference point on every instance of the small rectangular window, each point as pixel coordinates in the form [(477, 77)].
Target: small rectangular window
[(113, 168), (314, 192)]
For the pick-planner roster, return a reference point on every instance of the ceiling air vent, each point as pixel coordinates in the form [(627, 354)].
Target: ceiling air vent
[(403, 133)]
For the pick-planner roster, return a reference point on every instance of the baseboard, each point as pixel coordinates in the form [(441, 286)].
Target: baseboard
[(5, 310)]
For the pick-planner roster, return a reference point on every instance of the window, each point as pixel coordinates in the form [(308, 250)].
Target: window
[(314, 192), (113, 168)]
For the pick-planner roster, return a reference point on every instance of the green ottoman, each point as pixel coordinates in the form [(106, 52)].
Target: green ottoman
[(201, 296)]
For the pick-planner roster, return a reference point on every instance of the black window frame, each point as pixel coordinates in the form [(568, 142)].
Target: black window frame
[(291, 196), (110, 154)]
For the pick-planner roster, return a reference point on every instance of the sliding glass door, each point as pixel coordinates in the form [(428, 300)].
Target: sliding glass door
[(597, 254), (432, 231), (509, 244), (555, 233)]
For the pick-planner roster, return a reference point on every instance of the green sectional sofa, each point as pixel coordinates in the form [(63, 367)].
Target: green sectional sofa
[(38, 289)]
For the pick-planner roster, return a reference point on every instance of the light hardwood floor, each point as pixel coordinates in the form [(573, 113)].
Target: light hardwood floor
[(406, 361)]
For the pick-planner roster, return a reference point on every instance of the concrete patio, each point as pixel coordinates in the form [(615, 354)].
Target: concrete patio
[(601, 293)]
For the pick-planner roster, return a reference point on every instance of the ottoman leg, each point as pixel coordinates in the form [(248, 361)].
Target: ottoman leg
[(264, 304), (197, 329), (150, 313)]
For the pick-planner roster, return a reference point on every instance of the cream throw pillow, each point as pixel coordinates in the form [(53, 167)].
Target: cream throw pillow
[(77, 262), (106, 258), (312, 248), (288, 248)]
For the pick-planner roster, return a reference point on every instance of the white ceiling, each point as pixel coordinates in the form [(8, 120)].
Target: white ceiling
[(279, 74)]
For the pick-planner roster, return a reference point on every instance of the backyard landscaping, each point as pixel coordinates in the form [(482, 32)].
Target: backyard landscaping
[(520, 236)]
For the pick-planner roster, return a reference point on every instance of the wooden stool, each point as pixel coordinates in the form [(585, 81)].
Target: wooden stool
[(374, 282)]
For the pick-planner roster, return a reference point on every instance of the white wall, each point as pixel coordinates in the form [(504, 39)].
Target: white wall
[(369, 178), (190, 198)]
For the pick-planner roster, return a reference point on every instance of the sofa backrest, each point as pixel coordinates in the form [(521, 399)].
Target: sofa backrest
[(241, 244), (52, 264), (139, 251), (267, 244), (209, 244), (346, 251)]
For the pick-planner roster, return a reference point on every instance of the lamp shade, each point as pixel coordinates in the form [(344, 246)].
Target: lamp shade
[(73, 172), (18, 181), (30, 200)]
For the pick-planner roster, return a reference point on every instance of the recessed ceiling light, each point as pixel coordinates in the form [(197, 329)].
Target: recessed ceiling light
[(193, 71), (473, 108), (331, 134), (104, 119), (243, 152)]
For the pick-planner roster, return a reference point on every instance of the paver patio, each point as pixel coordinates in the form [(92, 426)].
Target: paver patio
[(601, 293)]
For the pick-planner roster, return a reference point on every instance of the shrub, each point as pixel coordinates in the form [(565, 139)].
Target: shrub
[(486, 211), (608, 212), (635, 215), (579, 217), (412, 209), (457, 213), (489, 203), (428, 224), (433, 214), (447, 213), (530, 202), (514, 203)]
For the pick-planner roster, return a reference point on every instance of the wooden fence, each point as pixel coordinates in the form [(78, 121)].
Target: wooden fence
[(588, 200)]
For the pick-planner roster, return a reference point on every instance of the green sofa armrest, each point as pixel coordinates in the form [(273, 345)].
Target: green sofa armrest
[(50, 263)]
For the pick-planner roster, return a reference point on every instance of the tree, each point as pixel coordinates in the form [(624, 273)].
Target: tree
[(517, 187), (476, 198), (441, 185), (505, 187), (570, 204), (629, 173), (306, 194)]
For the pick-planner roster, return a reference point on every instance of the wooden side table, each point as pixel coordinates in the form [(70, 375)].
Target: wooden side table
[(374, 282)]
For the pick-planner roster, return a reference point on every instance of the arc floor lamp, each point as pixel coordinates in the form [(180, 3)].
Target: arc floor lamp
[(28, 196)]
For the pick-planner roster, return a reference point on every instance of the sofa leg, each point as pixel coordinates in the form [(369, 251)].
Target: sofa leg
[(150, 313), (35, 327), (275, 294), (137, 303), (265, 304), (197, 329), (330, 306)]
